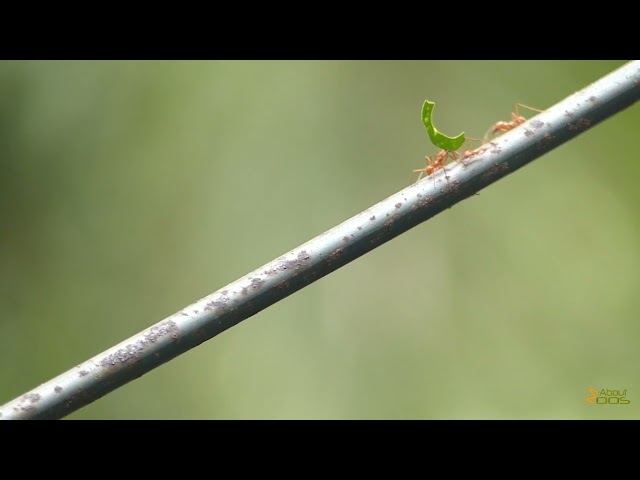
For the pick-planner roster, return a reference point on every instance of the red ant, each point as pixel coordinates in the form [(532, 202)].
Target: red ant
[(516, 119), (438, 161)]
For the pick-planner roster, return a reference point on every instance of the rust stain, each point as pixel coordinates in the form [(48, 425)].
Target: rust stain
[(580, 125), (220, 303), (31, 397), (131, 352), (423, 202), (303, 255), (335, 255), (497, 169), (302, 261)]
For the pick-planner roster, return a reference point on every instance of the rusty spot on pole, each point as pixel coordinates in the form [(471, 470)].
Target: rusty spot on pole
[(131, 352)]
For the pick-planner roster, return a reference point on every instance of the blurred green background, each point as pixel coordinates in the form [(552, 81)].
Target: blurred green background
[(131, 189)]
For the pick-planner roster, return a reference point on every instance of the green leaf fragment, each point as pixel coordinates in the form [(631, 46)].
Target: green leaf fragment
[(438, 139)]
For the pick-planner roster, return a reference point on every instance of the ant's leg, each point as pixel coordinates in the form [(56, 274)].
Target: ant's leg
[(518, 105), (434, 174), (485, 138), (421, 170)]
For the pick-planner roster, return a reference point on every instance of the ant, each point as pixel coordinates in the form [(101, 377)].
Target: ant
[(516, 119), (438, 161)]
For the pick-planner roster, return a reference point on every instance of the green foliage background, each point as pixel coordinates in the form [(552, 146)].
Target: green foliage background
[(131, 189)]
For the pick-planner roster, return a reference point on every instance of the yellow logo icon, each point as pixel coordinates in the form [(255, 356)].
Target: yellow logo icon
[(594, 394)]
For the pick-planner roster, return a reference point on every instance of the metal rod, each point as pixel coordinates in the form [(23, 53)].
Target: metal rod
[(329, 251)]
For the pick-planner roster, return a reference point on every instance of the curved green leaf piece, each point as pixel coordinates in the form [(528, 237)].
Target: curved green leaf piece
[(438, 139)]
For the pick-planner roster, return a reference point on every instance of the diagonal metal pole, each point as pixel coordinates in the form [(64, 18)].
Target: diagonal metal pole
[(329, 251)]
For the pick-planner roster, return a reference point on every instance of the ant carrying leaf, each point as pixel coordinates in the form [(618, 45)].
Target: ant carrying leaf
[(438, 161), (435, 163), (440, 140)]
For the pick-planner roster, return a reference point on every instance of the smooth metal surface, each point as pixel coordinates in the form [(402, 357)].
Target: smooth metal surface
[(329, 251)]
